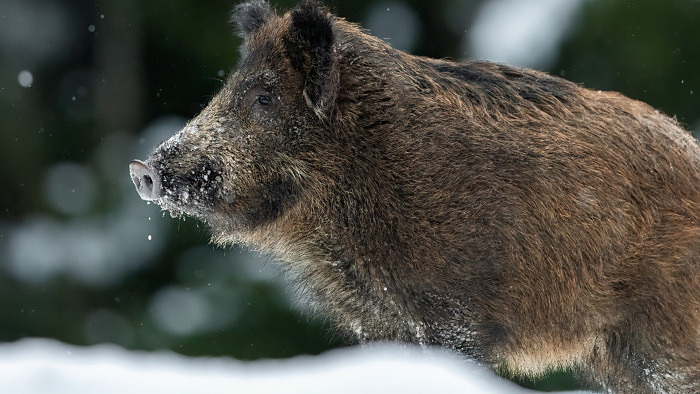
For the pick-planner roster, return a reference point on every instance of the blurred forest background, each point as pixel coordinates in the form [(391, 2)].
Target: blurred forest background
[(86, 86)]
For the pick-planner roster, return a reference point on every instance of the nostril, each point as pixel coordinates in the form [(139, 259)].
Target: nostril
[(146, 181)]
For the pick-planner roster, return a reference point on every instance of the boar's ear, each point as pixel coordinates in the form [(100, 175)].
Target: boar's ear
[(250, 16), (309, 47)]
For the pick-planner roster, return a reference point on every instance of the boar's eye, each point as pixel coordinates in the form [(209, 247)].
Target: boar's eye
[(264, 100)]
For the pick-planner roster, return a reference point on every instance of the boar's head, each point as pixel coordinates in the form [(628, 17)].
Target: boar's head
[(243, 161)]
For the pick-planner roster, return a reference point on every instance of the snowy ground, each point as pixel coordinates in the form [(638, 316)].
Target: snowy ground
[(34, 366)]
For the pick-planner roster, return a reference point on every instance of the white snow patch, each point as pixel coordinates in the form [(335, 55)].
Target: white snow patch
[(357, 328), (34, 366)]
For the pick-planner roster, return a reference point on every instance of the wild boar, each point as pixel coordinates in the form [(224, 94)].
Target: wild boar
[(507, 214)]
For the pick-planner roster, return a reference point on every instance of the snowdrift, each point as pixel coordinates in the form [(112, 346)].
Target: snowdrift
[(34, 366)]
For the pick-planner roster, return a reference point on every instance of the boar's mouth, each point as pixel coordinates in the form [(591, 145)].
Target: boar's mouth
[(192, 193)]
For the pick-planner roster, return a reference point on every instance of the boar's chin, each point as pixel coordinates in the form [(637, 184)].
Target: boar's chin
[(186, 199), (183, 203)]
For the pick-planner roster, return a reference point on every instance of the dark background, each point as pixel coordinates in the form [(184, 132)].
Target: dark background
[(87, 86)]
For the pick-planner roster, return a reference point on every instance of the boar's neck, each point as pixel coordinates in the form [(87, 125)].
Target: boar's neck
[(368, 223)]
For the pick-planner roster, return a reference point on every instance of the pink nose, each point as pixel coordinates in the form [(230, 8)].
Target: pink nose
[(146, 180)]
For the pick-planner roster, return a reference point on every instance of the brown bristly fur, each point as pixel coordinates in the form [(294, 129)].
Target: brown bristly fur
[(504, 213)]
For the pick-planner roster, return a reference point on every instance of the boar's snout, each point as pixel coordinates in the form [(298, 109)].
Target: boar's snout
[(146, 180)]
